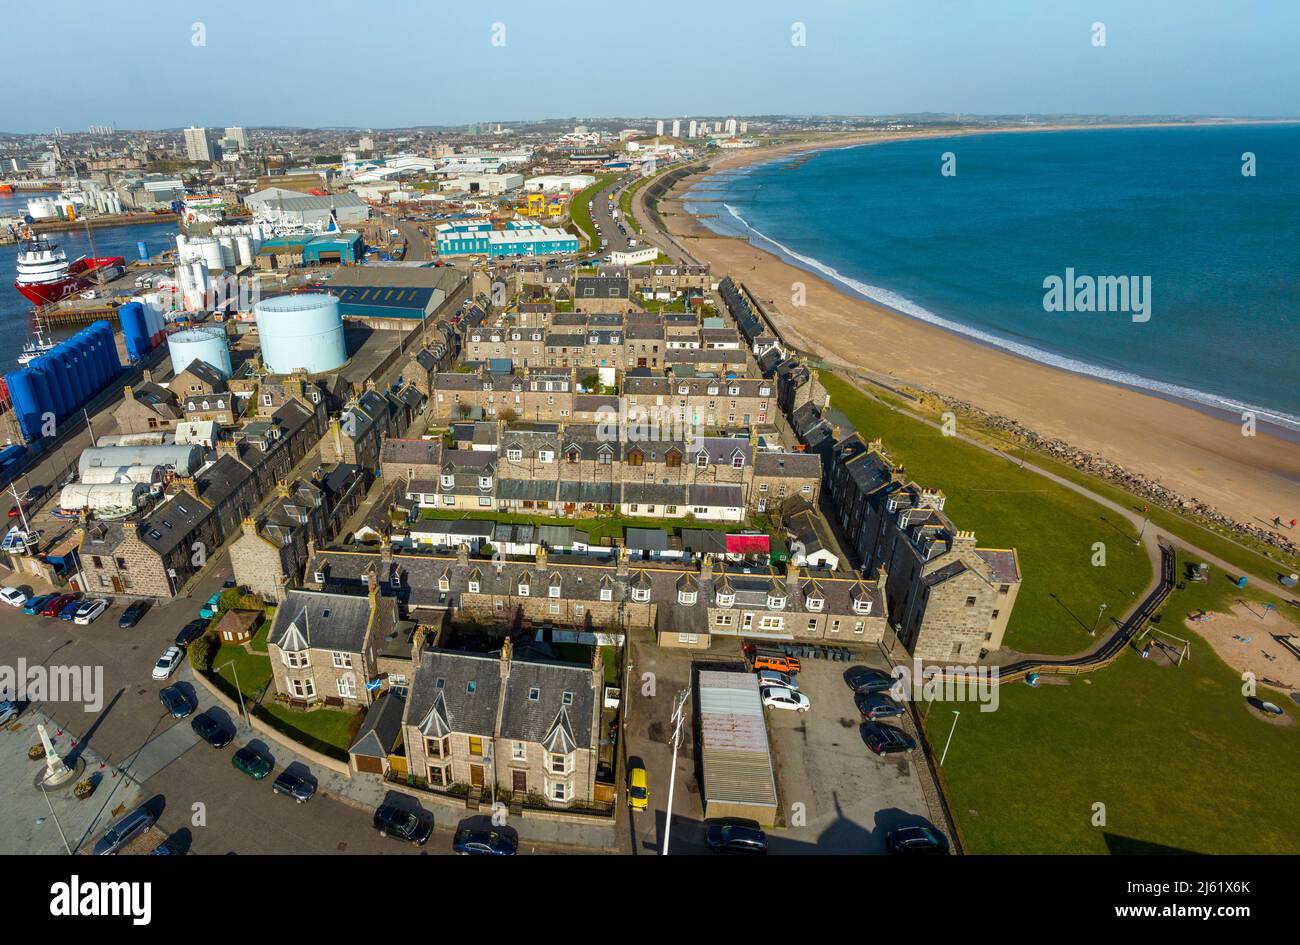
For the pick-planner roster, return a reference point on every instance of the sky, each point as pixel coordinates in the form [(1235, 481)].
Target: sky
[(394, 63)]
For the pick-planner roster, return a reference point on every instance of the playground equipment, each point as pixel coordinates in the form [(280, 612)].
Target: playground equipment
[(1174, 652)]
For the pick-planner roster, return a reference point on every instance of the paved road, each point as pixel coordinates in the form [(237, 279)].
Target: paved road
[(617, 242), (417, 244)]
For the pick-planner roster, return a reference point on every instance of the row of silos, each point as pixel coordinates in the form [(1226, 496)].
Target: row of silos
[(143, 327), (206, 343), (60, 382)]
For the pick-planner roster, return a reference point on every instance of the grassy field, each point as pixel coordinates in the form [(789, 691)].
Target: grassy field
[(1175, 754), (1052, 529), (579, 213), (596, 528), (329, 731)]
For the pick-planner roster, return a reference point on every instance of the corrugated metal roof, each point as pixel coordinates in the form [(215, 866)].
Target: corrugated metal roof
[(736, 758)]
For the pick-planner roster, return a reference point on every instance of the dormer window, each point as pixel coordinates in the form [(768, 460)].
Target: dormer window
[(523, 589), (775, 601), (687, 597), (726, 599), (862, 605), (514, 455), (701, 459), (553, 590), (683, 390), (545, 456), (473, 587), (448, 481), (738, 461), (606, 594), (485, 482), (444, 585), (733, 390), (816, 603), (641, 594)]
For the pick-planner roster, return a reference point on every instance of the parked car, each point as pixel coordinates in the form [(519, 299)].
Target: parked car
[(300, 789), (69, 610), (875, 705), (211, 607), (866, 679), (8, 711), (211, 730), (89, 610), (770, 677), (391, 821), (175, 702), (252, 763), (638, 789), (12, 596), (191, 632), (168, 662), (483, 843), (37, 604), (124, 831), (779, 664), (724, 837), (56, 604), (887, 740), (778, 697), (131, 616), (917, 840)]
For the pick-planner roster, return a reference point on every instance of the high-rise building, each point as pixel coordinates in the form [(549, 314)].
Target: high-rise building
[(691, 133), (198, 145), (237, 135), (744, 127), (717, 127), (677, 127), (659, 127), (731, 127)]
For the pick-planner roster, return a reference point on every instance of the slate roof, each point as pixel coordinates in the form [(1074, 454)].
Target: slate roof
[(564, 723), (325, 621), (455, 692)]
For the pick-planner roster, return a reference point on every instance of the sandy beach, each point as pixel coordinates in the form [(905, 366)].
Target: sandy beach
[(1192, 452)]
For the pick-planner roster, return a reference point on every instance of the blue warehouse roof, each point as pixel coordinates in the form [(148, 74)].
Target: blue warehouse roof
[(387, 301)]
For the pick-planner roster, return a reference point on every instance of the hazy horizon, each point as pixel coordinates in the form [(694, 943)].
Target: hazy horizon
[(406, 64)]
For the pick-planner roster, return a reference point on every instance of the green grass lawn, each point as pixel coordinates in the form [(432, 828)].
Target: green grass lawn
[(253, 670), (1175, 754), (1052, 529), (329, 731), (596, 528)]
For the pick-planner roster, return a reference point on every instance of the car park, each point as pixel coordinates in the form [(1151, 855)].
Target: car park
[(729, 837), (211, 730), (12, 596), (876, 705), (770, 677), (168, 662), (918, 839), (469, 841), (866, 679), (778, 697), (300, 789), (175, 702), (887, 740), (190, 632), (392, 821), (124, 831), (253, 763), (638, 789), (131, 616), (89, 610)]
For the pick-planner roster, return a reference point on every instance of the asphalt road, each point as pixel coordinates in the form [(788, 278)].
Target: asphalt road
[(417, 244), (600, 215)]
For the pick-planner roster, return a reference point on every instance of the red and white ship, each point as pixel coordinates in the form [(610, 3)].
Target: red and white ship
[(45, 276)]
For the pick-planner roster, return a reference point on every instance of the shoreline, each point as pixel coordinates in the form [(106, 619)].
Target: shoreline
[(1194, 448)]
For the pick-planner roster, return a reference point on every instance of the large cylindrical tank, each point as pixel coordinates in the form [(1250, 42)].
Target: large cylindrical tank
[(228, 257), (142, 249), (206, 343), (46, 404), (22, 394), (210, 253), (58, 368), (131, 318), (92, 369), (198, 298), (244, 249), (105, 346), (105, 499), (301, 331), (185, 458)]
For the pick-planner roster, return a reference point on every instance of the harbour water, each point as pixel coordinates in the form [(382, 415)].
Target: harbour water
[(971, 252)]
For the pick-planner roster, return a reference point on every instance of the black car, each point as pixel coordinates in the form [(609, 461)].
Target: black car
[(300, 789), (176, 702), (469, 841), (887, 740), (735, 838), (391, 821), (191, 631), (924, 840), (131, 616), (864, 679), (875, 705), (211, 731)]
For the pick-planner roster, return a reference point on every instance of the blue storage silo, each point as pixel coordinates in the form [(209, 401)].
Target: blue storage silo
[(143, 250), (44, 399), (111, 357), (86, 342), (134, 330), (22, 393), (104, 347), (58, 366), (301, 331), (79, 379)]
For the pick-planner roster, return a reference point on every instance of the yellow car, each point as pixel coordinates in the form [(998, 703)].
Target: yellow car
[(638, 790)]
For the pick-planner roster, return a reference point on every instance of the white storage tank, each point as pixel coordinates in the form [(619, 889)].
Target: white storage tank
[(301, 332), (206, 343), (184, 459), (105, 499), (228, 258), (244, 249)]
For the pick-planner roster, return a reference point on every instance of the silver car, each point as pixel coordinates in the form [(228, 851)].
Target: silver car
[(124, 831)]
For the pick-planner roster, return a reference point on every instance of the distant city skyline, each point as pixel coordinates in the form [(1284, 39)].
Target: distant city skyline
[(406, 63)]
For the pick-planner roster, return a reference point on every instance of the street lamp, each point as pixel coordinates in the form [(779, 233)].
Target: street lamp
[(956, 717), (678, 717), (1100, 611), (240, 692), (62, 836)]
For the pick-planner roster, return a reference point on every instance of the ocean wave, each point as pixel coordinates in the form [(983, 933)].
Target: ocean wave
[(905, 306)]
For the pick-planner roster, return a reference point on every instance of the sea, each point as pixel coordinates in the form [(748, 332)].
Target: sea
[(973, 234), (16, 311)]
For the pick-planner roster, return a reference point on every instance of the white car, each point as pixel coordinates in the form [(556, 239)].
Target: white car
[(12, 596), (168, 662), (778, 697), (771, 677), (88, 611)]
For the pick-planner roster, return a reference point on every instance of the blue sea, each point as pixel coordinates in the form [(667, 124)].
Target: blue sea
[(970, 252), (15, 310)]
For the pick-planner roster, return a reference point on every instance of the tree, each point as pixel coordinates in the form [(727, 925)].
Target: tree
[(591, 381), (201, 653)]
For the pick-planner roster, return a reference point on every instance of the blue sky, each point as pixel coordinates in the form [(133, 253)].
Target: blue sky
[(386, 63)]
